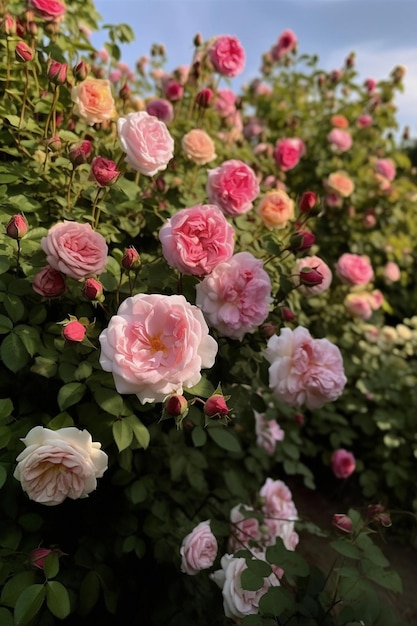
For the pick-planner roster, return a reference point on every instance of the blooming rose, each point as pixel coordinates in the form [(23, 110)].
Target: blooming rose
[(276, 208), (93, 100), (146, 141), (198, 549), (342, 463), (244, 531), (286, 43), (225, 103), (354, 269), (155, 345), (232, 186), (235, 297), (288, 152), (363, 304), (50, 10), (162, 109), (339, 121), (313, 262), (391, 272), (340, 139), (59, 464), (304, 370), (341, 184), (199, 146), (227, 55), (364, 121), (104, 171), (238, 602), (268, 432), (386, 167), (49, 283), (75, 249), (197, 239)]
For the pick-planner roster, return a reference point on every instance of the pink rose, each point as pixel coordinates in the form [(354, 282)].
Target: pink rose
[(354, 269), (17, 226), (146, 141), (232, 186), (49, 283), (198, 549), (288, 152), (268, 432), (386, 167), (243, 529), (50, 10), (313, 262), (276, 209), (364, 121), (363, 304), (235, 297), (227, 55), (304, 370), (225, 103), (173, 90), (278, 500), (162, 109), (340, 139), (199, 146), (286, 43), (104, 171), (391, 272), (93, 100), (197, 239), (340, 183), (342, 463), (238, 602), (75, 249), (59, 464), (155, 345)]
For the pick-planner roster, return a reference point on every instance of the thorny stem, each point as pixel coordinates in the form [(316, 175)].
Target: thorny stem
[(51, 114)]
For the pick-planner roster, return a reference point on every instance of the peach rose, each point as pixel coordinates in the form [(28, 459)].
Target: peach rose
[(199, 146), (340, 183), (339, 121), (198, 550), (275, 209), (93, 100), (59, 464)]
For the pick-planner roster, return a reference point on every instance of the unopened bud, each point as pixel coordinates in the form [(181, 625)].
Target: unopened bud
[(104, 171), (17, 226), (57, 72), (8, 24), (80, 153), (307, 202), (23, 52), (93, 289), (204, 98), (125, 92), (216, 406), (81, 70), (198, 40), (74, 331), (287, 315), (38, 556), (176, 405), (267, 330), (342, 522), (54, 143), (310, 277), (131, 259), (301, 241)]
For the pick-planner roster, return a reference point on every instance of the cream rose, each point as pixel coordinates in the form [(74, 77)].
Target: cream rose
[(93, 100), (199, 146)]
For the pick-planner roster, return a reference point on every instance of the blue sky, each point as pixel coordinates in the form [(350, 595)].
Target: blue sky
[(383, 33)]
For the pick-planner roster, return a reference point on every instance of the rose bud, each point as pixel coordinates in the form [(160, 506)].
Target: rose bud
[(57, 72), (125, 92), (8, 24), (307, 202), (173, 91), (216, 406), (287, 315), (299, 419), (342, 522), (38, 556), (204, 98), (301, 241), (81, 70), (267, 330), (176, 406), (17, 226), (131, 259), (198, 40), (104, 171), (23, 52), (93, 289), (54, 143), (74, 331), (310, 277), (80, 152)]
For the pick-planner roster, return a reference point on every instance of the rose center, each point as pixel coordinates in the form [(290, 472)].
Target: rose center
[(157, 345)]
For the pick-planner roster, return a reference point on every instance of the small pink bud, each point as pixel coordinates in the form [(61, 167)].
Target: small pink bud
[(93, 289), (81, 70), (131, 259), (54, 143), (216, 406), (57, 72), (176, 405), (343, 463), (299, 419), (301, 241), (37, 557), (342, 522), (17, 226), (173, 91), (8, 24), (267, 330), (80, 153), (23, 52), (310, 277), (104, 171), (307, 202), (74, 332), (287, 315), (204, 98)]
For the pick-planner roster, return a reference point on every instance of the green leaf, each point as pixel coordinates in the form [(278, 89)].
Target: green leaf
[(57, 599), (6, 407), (386, 578), (4, 264), (51, 565), (291, 562), (14, 587), (140, 431), (28, 604), (276, 601), (251, 580), (203, 388), (29, 337), (89, 592), (14, 306), (5, 436), (44, 367), (70, 394), (62, 420), (6, 325), (6, 618), (13, 353), (225, 439), (30, 521), (3, 475), (109, 400), (345, 548), (199, 436), (122, 433), (138, 492)]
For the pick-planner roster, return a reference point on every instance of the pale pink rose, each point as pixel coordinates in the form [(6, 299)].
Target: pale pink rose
[(146, 141), (93, 100), (286, 43), (354, 269), (386, 167), (253, 128), (278, 501), (276, 209), (225, 103), (115, 76), (235, 297), (304, 370), (199, 146), (340, 183), (243, 530), (391, 272), (364, 121), (198, 549), (50, 10), (313, 262), (340, 139), (268, 432), (162, 109), (197, 239), (359, 305), (75, 249), (59, 464), (227, 55), (333, 200), (343, 463), (288, 152), (376, 299), (155, 345), (238, 602), (49, 283), (232, 186)]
